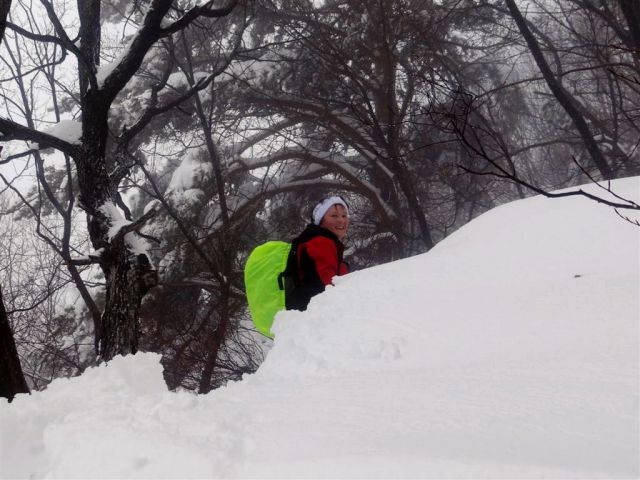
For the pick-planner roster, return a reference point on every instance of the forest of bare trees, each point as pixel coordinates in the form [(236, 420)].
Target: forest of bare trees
[(148, 146)]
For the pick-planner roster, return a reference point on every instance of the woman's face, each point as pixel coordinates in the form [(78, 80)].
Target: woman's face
[(336, 221)]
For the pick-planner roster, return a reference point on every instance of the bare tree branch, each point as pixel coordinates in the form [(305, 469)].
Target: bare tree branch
[(561, 94), (202, 10)]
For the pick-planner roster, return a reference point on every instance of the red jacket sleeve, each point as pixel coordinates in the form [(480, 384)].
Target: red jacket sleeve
[(324, 253)]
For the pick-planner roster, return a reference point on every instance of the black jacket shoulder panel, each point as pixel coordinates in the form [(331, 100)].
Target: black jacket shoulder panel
[(301, 292), (312, 230)]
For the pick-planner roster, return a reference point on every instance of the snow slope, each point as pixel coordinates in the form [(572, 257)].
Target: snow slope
[(508, 351)]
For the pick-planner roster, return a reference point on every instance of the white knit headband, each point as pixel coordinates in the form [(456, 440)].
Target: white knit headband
[(324, 206)]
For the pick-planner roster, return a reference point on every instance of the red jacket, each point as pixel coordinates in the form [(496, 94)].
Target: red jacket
[(327, 257), (318, 254)]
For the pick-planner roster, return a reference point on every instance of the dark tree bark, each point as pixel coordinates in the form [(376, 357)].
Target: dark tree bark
[(12, 379), (562, 95), (218, 336), (129, 276), (631, 12), (390, 122), (215, 344), (129, 273), (4, 11)]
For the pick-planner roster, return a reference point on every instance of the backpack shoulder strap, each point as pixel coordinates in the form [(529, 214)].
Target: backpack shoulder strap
[(291, 270)]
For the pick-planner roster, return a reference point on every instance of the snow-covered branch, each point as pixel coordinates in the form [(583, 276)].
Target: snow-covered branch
[(120, 227), (334, 162), (334, 121), (10, 130), (264, 134)]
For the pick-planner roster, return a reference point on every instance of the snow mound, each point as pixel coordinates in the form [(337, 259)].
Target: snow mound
[(114, 421), (538, 279), (508, 351)]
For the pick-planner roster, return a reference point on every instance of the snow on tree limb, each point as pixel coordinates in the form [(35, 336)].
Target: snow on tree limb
[(150, 32), (265, 134), (121, 226), (115, 218), (67, 130), (334, 162), (332, 120), (192, 173), (10, 130)]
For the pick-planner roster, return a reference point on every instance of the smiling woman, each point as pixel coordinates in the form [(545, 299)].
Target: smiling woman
[(336, 220), (318, 251)]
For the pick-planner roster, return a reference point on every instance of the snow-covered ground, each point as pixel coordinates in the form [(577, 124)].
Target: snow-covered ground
[(508, 351)]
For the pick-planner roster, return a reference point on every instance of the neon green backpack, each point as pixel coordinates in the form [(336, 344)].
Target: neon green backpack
[(263, 281)]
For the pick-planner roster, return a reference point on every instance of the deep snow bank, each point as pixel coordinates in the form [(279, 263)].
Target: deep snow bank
[(509, 350)]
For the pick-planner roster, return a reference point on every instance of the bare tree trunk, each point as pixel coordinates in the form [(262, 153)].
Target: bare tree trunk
[(216, 341), (4, 11), (128, 276), (5, 5), (631, 11), (128, 271), (390, 120), (562, 95), (12, 379)]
